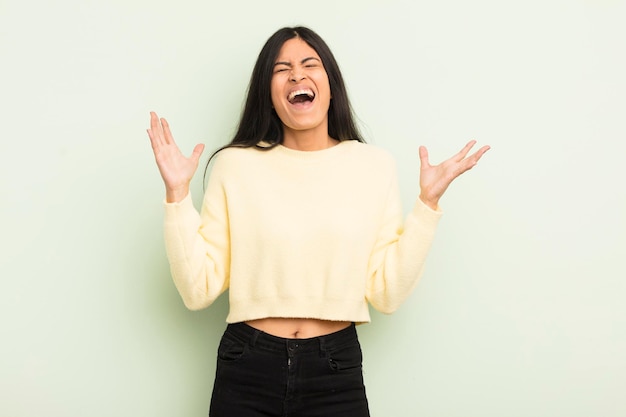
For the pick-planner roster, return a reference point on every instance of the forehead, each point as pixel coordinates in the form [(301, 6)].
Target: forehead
[(296, 49)]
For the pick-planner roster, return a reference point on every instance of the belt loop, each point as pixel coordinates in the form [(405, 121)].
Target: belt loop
[(254, 337), (322, 341)]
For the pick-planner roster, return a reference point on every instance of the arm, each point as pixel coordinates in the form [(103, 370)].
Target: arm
[(197, 245), (398, 258), (399, 255)]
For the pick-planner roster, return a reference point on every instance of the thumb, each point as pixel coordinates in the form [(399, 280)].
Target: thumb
[(197, 151), (424, 157)]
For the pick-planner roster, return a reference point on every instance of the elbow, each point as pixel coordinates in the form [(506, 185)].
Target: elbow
[(195, 303), (387, 308), (384, 304), (197, 294), (193, 306)]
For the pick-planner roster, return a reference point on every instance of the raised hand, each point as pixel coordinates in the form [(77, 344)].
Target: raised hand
[(435, 179), (176, 169)]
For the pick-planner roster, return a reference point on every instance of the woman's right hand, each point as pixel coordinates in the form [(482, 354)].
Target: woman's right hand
[(176, 169)]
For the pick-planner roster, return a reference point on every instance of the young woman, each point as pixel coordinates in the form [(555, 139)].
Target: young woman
[(302, 222)]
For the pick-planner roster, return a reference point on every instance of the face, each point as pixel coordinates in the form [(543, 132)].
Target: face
[(300, 88)]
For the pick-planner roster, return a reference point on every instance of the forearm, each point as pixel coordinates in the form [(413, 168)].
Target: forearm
[(198, 264), (401, 262)]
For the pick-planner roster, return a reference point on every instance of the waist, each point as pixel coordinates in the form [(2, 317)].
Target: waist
[(297, 328), (352, 308), (258, 338)]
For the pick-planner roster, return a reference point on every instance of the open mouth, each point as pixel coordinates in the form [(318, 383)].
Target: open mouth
[(301, 96)]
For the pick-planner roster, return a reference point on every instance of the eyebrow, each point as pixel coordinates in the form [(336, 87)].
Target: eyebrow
[(305, 60)]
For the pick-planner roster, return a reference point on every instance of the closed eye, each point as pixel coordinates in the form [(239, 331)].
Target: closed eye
[(311, 62), (281, 66)]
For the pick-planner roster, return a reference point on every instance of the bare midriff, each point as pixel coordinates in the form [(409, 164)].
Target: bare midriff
[(292, 328)]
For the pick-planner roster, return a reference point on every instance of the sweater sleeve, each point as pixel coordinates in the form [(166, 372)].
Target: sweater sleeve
[(399, 254), (198, 245)]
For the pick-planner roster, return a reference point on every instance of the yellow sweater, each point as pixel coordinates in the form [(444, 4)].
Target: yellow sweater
[(299, 234)]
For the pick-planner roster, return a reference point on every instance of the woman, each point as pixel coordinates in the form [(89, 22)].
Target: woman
[(302, 222)]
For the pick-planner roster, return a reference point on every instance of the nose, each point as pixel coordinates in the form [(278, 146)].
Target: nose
[(296, 74)]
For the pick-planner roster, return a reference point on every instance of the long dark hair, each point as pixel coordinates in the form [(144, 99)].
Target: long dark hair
[(259, 121)]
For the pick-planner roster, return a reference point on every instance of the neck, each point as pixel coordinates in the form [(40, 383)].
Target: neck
[(307, 140)]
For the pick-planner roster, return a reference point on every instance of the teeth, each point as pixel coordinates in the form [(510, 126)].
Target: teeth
[(293, 94)]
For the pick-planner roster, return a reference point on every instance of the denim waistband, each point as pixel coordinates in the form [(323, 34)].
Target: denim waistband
[(265, 341)]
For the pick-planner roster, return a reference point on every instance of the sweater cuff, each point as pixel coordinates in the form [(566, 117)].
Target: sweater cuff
[(423, 211), (180, 207)]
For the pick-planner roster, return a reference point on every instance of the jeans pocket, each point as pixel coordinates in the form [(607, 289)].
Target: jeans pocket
[(231, 350), (345, 358)]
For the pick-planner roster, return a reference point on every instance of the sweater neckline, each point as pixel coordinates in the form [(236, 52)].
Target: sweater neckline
[(337, 149)]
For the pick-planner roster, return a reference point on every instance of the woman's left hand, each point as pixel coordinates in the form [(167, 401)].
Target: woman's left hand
[(435, 179)]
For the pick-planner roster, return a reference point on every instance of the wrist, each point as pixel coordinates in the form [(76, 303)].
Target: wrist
[(176, 195), (430, 202)]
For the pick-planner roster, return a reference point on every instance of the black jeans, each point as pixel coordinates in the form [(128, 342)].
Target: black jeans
[(263, 375)]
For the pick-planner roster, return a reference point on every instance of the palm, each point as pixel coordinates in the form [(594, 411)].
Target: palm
[(435, 179), (176, 169)]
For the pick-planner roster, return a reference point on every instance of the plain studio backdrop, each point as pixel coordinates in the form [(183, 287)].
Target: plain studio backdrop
[(521, 310)]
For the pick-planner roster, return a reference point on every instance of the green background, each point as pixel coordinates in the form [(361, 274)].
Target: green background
[(521, 310)]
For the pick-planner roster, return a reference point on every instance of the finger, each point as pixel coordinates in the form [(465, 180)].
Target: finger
[(197, 151), (471, 162), (156, 129), (482, 151), (479, 154), (424, 157), (153, 143), (463, 152), (167, 133)]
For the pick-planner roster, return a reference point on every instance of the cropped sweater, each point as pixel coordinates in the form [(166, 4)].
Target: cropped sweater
[(298, 234)]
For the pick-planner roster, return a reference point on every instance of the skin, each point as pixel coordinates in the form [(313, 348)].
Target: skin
[(305, 128), (305, 125)]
